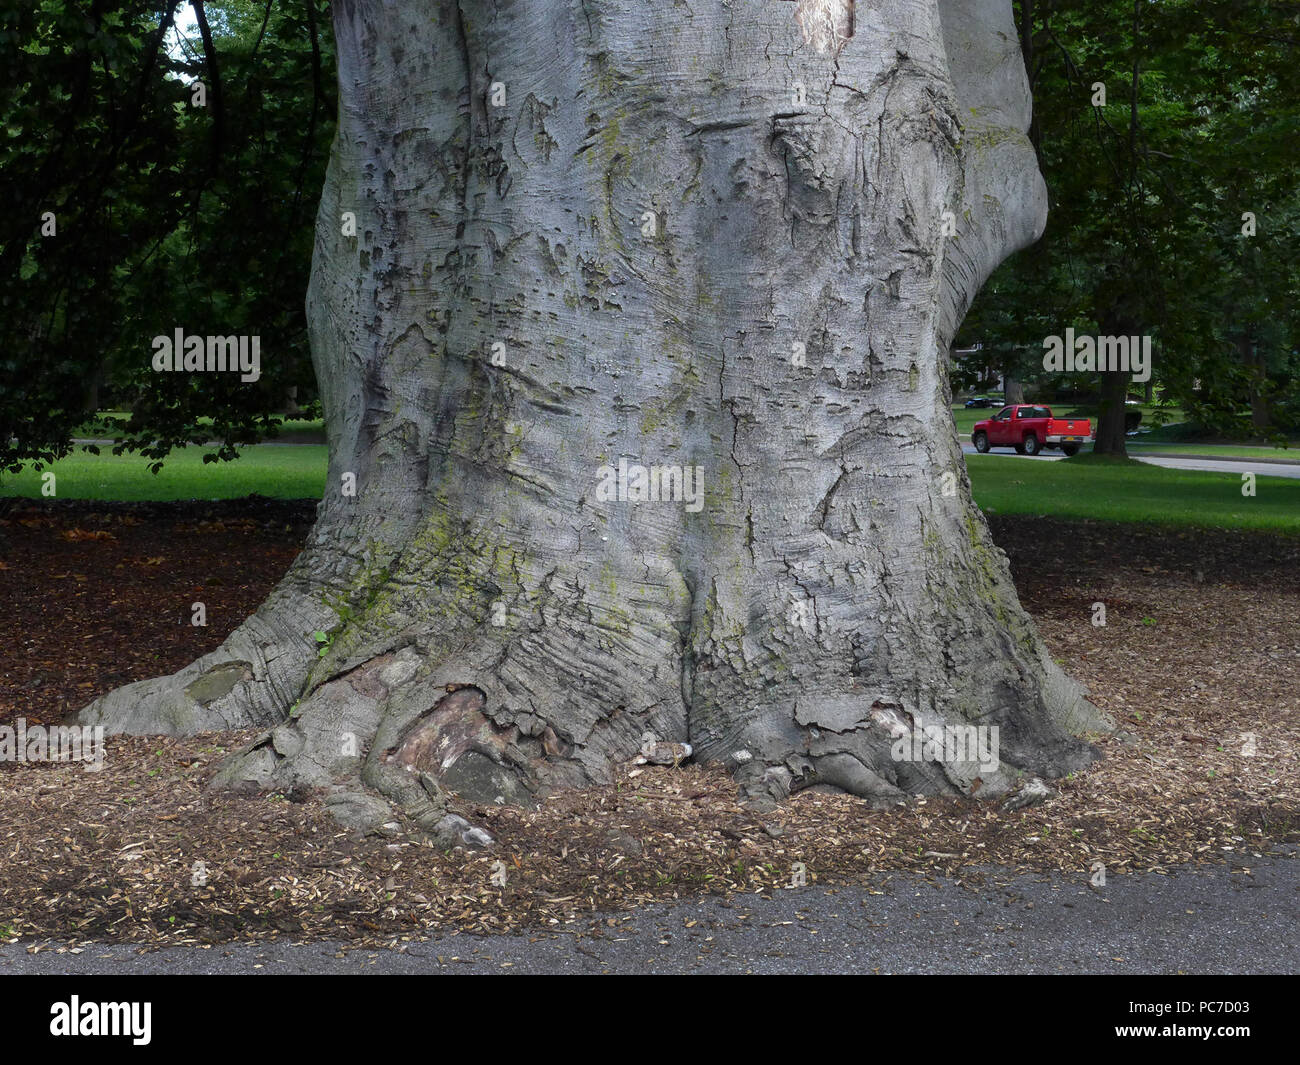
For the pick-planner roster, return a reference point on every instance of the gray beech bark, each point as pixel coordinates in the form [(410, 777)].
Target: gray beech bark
[(727, 239)]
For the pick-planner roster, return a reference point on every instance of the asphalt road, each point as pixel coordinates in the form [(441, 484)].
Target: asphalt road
[(1235, 467), (1242, 916)]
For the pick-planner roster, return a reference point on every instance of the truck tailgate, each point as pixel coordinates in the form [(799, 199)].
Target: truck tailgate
[(1078, 429)]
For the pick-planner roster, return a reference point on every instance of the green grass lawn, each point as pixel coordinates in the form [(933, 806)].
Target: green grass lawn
[(1141, 445), (279, 471), (966, 419), (1083, 487), (1104, 489), (1186, 432)]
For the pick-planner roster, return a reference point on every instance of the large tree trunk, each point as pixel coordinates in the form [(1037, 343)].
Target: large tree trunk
[(707, 238)]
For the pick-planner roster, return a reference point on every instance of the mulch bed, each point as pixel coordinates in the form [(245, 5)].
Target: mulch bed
[(1201, 648), (96, 595)]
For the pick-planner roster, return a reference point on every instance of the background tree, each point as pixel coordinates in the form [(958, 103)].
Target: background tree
[(170, 209), (1148, 191)]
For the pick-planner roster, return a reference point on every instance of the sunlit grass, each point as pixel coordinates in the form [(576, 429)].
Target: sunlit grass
[(1095, 486), (281, 471), (1087, 486)]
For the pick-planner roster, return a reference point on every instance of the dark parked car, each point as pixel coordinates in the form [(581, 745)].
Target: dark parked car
[(979, 401)]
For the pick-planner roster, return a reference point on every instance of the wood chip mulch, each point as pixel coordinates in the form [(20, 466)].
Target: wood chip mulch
[(1199, 661)]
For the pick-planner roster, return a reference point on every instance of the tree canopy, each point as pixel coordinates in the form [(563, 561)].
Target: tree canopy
[(1167, 136), (160, 174), (162, 163)]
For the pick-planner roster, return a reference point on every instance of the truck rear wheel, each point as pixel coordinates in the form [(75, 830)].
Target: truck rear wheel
[(1031, 444), (1070, 449)]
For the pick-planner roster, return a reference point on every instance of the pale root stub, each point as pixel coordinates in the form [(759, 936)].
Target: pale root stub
[(594, 233)]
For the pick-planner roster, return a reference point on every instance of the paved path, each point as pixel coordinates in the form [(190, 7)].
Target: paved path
[(1235, 467), (1239, 917)]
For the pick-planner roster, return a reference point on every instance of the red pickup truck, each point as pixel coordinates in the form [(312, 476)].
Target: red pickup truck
[(1029, 429)]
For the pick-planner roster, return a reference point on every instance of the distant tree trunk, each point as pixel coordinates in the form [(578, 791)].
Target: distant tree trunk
[(1261, 415), (1111, 421), (1015, 389), (90, 394), (1110, 433), (697, 237)]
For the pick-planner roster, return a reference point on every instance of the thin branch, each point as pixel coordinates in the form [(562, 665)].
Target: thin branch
[(317, 95), (214, 75), (266, 17)]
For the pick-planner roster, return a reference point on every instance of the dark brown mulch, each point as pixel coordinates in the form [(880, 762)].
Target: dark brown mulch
[(1191, 668), (95, 595)]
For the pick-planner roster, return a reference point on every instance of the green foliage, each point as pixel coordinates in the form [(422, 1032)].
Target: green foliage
[(1147, 194), (168, 215)]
